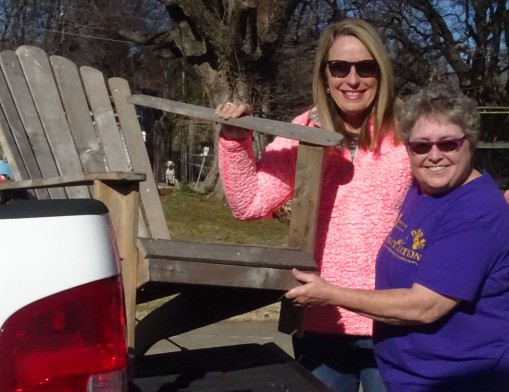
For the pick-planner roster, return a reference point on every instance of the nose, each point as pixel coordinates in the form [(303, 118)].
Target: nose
[(435, 154), (352, 77)]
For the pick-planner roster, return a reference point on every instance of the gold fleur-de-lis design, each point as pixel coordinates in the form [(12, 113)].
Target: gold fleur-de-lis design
[(418, 241)]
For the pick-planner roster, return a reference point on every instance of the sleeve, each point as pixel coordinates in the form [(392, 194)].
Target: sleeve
[(254, 189), (458, 260)]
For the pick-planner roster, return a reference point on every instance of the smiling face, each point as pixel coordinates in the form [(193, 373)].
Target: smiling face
[(352, 94), (440, 172)]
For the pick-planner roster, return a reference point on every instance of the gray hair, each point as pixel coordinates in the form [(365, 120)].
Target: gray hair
[(439, 99)]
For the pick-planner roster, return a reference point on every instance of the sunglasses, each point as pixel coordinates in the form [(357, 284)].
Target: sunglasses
[(364, 68), (448, 145)]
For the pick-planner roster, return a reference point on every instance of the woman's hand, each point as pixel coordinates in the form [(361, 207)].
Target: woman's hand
[(233, 110), (314, 290)]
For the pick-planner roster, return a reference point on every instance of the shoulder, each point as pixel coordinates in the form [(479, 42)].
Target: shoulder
[(392, 156), (302, 119), (484, 194), (480, 202), (281, 143), (389, 146)]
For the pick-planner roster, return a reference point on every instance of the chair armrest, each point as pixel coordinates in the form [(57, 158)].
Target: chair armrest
[(72, 180), (193, 263), (314, 136)]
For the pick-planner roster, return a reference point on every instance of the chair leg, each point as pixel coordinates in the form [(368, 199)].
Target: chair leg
[(122, 201)]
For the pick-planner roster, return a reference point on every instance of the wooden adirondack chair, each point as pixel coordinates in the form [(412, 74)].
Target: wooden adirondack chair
[(67, 133), (60, 134)]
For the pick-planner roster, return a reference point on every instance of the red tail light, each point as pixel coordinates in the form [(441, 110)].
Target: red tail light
[(71, 341)]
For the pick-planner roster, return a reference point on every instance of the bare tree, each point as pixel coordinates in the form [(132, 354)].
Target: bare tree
[(456, 40), (208, 51), (24, 22), (232, 46)]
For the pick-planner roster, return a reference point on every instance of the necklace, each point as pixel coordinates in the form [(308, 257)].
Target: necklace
[(350, 139), (351, 142)]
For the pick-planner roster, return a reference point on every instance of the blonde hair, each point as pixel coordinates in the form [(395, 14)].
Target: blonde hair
[(383, 107)]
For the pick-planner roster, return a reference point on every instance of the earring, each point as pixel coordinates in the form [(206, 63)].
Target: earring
[(327, 90)]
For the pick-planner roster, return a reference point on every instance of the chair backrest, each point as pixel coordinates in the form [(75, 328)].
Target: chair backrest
[(58, 120)]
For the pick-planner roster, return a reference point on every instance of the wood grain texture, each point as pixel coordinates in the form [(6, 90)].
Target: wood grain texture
[(78, 115), (302, 133), (43, 90), (225, 275), (229, 254), (302, 234), (104, 118), (28, 122), (140, 161), (122, 200), (73, 180)]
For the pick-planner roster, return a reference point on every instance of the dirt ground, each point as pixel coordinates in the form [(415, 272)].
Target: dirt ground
[(267, 313)]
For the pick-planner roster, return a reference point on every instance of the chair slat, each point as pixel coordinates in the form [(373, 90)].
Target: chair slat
[(13, 138), (30, 121), (79, 118), (149, 193), (104, 117), (44, 92)]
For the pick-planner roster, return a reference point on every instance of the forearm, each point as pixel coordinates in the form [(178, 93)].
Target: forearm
[(388, 306), (417, 305)]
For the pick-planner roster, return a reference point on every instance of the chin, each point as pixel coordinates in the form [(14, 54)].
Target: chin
[(435, 191)]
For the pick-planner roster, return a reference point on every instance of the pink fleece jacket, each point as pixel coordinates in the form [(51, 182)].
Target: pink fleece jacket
[(358, 206)]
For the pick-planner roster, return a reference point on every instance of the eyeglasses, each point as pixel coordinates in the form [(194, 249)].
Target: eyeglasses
[(447, 145), (364, 68)]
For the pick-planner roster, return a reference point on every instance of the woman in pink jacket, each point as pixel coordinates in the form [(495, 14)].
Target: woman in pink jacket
[(363, 185)]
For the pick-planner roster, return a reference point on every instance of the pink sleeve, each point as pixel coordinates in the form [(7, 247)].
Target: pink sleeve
[(254, 189)]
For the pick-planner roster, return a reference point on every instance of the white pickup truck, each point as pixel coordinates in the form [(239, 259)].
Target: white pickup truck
[(62, 314)]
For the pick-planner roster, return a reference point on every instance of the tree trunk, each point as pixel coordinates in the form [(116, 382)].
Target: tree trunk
[(231, 45)]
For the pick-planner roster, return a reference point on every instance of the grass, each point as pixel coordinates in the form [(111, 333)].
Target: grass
[(194, 217)]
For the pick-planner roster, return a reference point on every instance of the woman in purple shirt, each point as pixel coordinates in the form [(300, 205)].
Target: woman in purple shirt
[(441, 303)]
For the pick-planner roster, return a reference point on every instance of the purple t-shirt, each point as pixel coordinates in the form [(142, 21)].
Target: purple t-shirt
[(456, 245)]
